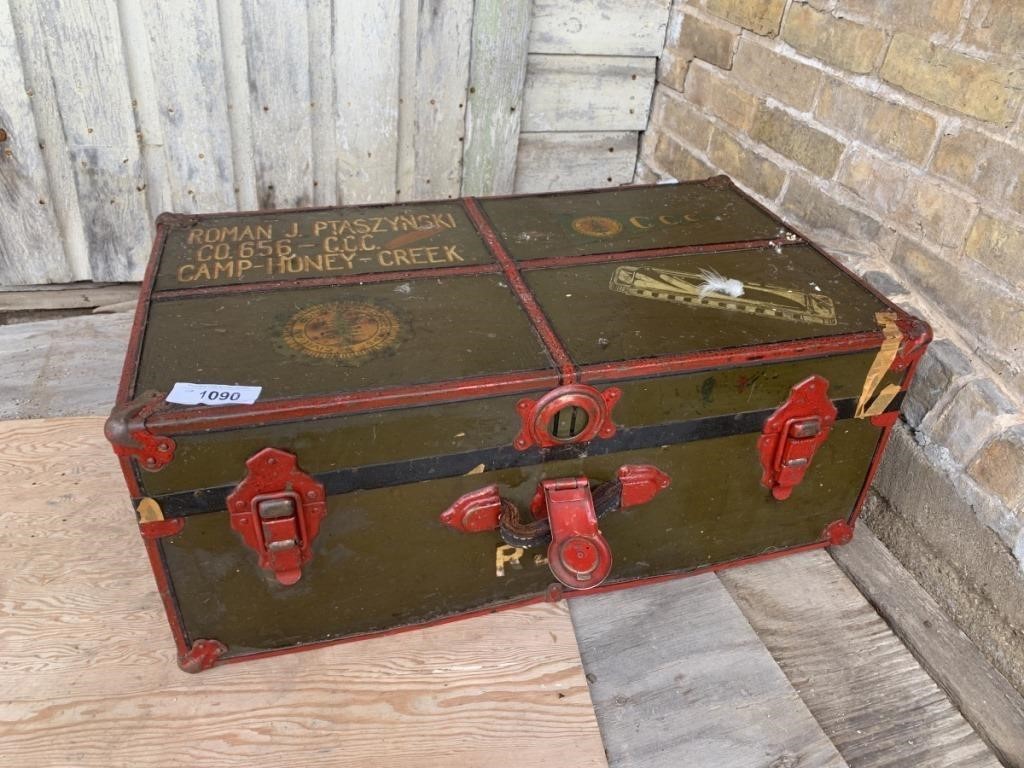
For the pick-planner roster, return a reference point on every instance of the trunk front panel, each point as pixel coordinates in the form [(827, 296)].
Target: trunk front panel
[(384, 560)]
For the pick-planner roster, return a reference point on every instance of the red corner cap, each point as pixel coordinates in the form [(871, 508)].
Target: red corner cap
[(126, 430), (202, 655)]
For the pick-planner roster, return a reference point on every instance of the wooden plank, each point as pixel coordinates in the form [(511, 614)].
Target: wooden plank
[(67, 297), (39, 87), (552, 161), (95, 103), (89, 680), (367, 99), (439, 100), (322, 107), (587, 93), (277, 57), (874, 701), (599, 27), (497, 73), (678, 678), (141, 82), (28, 224), (188, 91), (407, 89), (979, 691), (236, 82), (61, 367)]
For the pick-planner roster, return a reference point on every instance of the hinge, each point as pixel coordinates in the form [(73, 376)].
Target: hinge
[(277, 509), (126, 430), (793, 434)]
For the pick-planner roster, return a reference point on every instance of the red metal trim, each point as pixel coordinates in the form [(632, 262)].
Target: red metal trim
[(838, 533), (131, 437), (536, 415), (319, 282), (917, 335), (793, 434), (201, 656), (158, 529), (541, 324), (527, 265), (163, 586), (781, 351), (283, 542), (294, 409), (126, 384)]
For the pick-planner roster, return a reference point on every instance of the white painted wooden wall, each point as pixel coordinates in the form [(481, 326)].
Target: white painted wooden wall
[(112, 111)]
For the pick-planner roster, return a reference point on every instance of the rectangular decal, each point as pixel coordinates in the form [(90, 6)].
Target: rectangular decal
[(184, 393)]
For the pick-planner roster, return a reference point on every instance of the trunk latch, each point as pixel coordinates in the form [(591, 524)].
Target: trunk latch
[(565, 514), (793, 434), (277, 509)]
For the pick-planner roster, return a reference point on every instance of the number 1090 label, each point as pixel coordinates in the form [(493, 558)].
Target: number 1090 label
[(185, 393)]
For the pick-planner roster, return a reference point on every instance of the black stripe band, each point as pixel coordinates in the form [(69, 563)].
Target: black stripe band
[(373, 476)]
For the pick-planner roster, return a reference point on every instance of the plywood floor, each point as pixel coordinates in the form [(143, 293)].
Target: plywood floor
[(781, 664)]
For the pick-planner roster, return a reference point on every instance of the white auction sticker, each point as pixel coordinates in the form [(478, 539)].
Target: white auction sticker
[(184, 393)]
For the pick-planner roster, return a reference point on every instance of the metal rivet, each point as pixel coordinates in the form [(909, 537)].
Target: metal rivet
[(311, 494)]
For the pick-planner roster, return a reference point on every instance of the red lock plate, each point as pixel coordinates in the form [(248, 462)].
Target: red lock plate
[(578, 555), (277, 509), (793, 434)]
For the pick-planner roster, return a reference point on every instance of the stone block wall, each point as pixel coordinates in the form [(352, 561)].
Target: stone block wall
[(890, 131)]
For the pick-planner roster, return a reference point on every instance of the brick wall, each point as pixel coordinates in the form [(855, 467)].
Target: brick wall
[(890, 131)]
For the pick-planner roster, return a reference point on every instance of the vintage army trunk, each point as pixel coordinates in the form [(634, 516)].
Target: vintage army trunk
[(475, 403)]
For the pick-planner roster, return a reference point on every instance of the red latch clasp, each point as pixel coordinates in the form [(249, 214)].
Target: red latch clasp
[(277, 509), (579, 556), (793, 434), (565, 514)]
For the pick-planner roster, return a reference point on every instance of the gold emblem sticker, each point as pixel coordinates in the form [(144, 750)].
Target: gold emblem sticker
[(342, 330), (596, 226)]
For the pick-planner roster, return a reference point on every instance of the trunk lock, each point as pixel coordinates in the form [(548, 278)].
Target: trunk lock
[(277, 509), (793, 434), (565, 514)]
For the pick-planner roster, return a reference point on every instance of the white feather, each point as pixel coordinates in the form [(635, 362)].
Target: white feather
[(715, 283)]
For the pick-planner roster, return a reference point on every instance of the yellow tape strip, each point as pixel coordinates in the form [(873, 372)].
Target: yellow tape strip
[(149, 511), (882, 363)]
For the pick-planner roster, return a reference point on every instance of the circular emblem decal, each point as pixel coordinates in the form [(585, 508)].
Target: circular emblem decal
[(341, 330), (596, 226)]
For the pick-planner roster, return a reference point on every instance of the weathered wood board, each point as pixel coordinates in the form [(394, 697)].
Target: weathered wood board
[(587, 93), (599, 27), (497, 72), (100, 132), (24, 187), (120, 110), (438, 100), (88, 678), (187, 91), (39, 87), (874, 701), (321, 106), (679, 678), (277, 55), (553, 161), (985, 697), (367, 101)]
